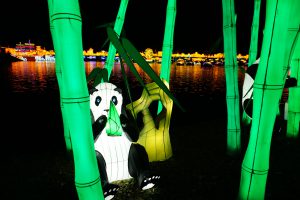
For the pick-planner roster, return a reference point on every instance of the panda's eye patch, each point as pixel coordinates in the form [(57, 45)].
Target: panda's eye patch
[(98, 100), (114, 100)]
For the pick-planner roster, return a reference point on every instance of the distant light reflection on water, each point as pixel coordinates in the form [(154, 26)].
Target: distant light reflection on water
[(40, 77)]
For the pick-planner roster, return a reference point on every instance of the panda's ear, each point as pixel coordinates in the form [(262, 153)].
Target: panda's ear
[(92, 90), (118, 90), (252, 70)]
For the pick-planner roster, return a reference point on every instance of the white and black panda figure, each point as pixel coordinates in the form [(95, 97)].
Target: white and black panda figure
[(247, 98), (118, 156)]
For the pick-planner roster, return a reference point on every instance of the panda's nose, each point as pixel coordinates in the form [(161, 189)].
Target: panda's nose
[(106, 110)]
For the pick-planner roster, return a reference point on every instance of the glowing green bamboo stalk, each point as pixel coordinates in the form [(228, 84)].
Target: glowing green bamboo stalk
[(231, 74), (268, 86), (110, 60), (294, 94), (167, 48), (253, 46), (254, 33), (66, 20), (58, 75), (292, 38)]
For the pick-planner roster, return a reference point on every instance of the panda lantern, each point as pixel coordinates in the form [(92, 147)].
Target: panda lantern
[(118, 156), (247, 98)]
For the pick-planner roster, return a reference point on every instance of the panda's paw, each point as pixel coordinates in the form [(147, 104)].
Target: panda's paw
[(110, 191), (150, 182)]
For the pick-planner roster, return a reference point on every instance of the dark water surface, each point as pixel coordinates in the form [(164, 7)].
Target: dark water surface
[(39, 77), (35, 166), (31, 96)]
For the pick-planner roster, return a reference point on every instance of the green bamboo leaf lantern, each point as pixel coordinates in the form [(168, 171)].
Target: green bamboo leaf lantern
[(133, 52), (114, 38), (128, 52), (113, 125), (65, 18)]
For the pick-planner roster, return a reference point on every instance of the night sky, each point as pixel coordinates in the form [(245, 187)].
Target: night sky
[(198, 25)]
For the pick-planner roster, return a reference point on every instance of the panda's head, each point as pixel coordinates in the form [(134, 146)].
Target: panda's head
[(100, 98)]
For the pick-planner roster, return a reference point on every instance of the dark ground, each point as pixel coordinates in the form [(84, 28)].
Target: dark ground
[(35, 165)]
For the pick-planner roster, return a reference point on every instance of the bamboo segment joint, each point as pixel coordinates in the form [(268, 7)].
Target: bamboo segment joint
[(231, 130), (232, 97), (88, 184), (60, 16), (255, 171), (267, 86), (229, 26), (293, 112), (75, 100)]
